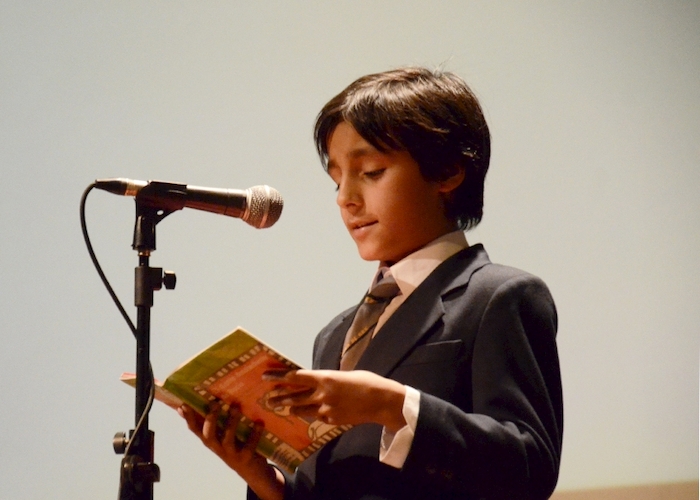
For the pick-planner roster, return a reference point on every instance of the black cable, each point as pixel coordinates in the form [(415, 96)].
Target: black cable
[(93, 257)]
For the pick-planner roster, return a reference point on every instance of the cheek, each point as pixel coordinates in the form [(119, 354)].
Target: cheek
[(410, 202), (394, 211)]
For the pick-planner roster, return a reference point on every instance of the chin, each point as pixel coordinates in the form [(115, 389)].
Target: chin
[(369, 254), (373, 255)]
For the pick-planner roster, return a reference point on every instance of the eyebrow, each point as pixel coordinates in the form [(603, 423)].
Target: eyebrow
[(356, 153)]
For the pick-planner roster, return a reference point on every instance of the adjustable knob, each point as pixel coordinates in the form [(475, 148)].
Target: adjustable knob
[(169, 280)]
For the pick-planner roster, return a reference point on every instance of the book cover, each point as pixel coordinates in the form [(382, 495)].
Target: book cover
[(230, 371)]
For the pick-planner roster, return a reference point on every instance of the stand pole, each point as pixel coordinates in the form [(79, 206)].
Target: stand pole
[(138, 472)]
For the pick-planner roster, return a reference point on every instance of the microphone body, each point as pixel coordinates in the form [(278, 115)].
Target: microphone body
[(259, 206)]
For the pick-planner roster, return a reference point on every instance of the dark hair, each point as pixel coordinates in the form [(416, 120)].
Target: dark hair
[(433, 115)]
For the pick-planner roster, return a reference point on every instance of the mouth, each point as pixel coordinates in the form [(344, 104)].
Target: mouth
[(360, 225), (359, 228)]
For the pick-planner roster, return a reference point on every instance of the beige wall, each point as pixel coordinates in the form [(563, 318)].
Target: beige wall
[(671, 491), (594, 186)]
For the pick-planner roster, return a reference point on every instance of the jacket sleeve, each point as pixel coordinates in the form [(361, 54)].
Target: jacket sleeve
[(508, 443)]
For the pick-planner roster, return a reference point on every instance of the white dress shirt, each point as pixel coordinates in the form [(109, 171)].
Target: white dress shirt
[(409, 273)]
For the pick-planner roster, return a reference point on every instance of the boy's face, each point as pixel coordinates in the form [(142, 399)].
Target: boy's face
[(387, 206)]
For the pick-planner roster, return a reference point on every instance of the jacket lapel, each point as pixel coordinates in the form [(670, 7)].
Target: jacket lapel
[(330, 342), (421, 310)]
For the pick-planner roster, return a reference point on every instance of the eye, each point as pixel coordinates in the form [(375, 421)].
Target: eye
[(374, 174)]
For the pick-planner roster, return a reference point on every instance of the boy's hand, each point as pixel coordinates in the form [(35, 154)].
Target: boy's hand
[(264, 479), (341, 397)]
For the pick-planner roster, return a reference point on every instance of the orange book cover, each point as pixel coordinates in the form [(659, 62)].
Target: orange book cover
[(230, 371)]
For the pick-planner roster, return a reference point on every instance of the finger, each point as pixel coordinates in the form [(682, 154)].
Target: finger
[(229, 441), (326, 419), (292, 398), (276, 375), (308, 378), (193, 419), (232, 430), (209, 427), (256, 433), (310, 410), (284, 380), (325, 414)]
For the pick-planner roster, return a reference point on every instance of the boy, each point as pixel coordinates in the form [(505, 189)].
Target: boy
[(454, 392)]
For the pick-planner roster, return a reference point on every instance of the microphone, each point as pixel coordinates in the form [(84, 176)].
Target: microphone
[(259, 206)]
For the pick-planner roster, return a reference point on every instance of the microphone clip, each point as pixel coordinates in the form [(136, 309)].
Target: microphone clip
[(154, 202), (165, 196)]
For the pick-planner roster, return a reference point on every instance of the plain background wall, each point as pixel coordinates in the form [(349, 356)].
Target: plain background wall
[(594, 186)]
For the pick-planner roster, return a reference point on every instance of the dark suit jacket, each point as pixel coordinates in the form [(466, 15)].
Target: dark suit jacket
[(478, 341)]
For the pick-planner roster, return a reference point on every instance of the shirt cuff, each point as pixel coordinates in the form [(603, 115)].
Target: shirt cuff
[(394, 448)]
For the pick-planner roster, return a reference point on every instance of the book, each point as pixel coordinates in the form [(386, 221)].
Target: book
[(230, 372)]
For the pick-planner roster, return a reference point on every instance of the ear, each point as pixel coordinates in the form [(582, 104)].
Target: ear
[(453, 178)]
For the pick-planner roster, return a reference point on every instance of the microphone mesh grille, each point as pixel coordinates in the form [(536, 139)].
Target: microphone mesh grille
[(264, 207)]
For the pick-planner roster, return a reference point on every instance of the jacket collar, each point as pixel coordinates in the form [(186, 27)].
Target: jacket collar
[(420, 310)]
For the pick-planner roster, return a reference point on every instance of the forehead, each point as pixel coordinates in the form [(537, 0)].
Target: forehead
[(345, 143)]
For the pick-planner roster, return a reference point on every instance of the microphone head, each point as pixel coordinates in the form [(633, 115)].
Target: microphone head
[(263, 206)]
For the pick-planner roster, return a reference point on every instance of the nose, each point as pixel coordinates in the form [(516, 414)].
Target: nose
[(348, 194)]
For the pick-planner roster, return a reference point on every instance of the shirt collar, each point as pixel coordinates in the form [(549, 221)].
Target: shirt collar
[(410, 271)]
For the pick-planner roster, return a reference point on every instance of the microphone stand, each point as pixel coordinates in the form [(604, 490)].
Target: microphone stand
[(138, 472)]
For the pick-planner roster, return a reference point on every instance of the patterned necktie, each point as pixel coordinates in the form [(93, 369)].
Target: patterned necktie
[(362, 328)]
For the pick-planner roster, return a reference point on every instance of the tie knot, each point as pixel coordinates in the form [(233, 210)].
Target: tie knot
[(384, 289)]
